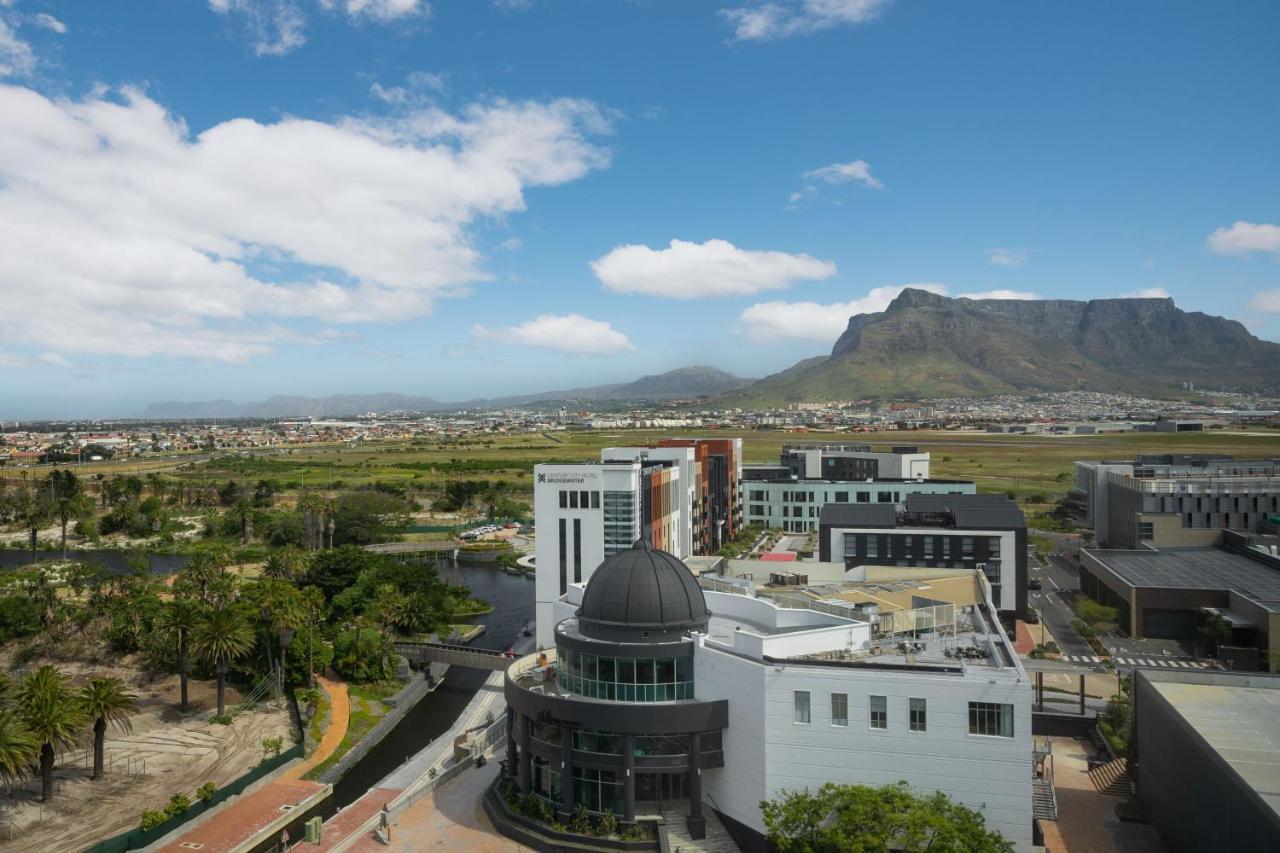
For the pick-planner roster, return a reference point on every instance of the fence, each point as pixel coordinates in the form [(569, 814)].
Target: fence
[(138, 838)]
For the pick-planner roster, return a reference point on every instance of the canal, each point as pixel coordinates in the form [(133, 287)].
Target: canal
[(512, 600)]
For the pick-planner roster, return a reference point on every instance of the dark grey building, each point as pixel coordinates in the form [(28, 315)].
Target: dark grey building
[(611, 719), (935, 531), (1205, 758)]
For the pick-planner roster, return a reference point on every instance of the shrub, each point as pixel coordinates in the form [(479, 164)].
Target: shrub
[(608, 824), (271, 747), (178, 804), (1095, 614), (636, 832), (151, 819), (581, 820), (537, 808), (509, 791), (206, 791), (224, 720)]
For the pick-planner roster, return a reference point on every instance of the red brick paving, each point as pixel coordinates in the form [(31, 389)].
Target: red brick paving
[(247, 816), (1023, 643), (348, 820)]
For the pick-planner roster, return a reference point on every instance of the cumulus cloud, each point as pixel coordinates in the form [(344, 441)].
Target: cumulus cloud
[(999, 294), (1007, 257), (273, 27), (818, 322), (1267, 300), (568, 333), (1245, 237), (141, 238), (378, 10), (687, 270), (1147, 293), (776, 20)]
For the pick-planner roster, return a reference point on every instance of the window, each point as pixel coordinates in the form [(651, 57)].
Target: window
[(839, 709), (873, 545), (879, 712), (884, 497), (990, 719), (928, 547), (842, 497), (864, 497), (1146, 531), (577, 550), (573, 500), (802, 706), (586, 499), (916, 717), (595, 500), (993, 548), (564, 499), (850, 544)]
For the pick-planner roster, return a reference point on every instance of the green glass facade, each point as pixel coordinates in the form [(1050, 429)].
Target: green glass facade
[(625, 679)]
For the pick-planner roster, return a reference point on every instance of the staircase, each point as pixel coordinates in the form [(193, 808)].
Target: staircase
[(1111, 778), (1044, 803), (676, 817)]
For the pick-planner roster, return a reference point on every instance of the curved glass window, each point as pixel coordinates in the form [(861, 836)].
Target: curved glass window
[(546, 781), (661, 745), (601, 742), (598, 790), (625, 679)]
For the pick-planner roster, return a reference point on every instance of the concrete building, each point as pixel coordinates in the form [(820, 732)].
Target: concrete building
[(718, 514), (1205, 759), (794, 505), (587, 512), (936, 531), (659, 695), (844, 462), (693, 532), (1175, 499), (1169, 593)]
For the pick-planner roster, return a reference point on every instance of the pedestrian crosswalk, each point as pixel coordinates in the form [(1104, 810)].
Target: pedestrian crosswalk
[(1167, 663)]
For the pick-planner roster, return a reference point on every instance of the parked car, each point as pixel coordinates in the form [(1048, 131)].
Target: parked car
[(1035, 583), (1033, 618)]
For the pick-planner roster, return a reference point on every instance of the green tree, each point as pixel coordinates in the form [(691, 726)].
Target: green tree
[(1215, 633), (178, 622), (223, 635), (53, 713), (864, 819), (338, 568), (358, 654), (33, 509), (366, 517), (67, 500), (106, 701), (18, 747)]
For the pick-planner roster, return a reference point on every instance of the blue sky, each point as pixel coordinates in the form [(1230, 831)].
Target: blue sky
[(236, 198)]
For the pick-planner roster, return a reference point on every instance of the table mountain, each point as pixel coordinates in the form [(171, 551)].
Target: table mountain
[(925, 345)]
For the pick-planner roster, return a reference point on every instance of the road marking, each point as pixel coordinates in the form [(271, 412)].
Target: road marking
[(1182, 664), (1055, 584)]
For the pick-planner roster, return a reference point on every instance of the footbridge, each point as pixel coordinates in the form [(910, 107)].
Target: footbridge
[(424, 653)]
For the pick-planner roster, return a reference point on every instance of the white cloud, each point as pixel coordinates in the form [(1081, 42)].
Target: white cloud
[(48, 22), (1007, 257), (55, 359), (569, 333), (687, 270), (775, 20), (418, 87), (17, 59), (816, 322), (999, 294), (378, 10), (855, 171), (274, 27), (1244, 237), (142, 239), (1267, 300), (1147, 293)]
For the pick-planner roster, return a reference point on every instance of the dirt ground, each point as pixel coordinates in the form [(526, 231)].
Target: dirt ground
[(163, 754)]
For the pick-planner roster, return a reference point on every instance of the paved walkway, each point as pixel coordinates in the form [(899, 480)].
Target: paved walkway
[(339, 717), (1087, 821), (243, 818)]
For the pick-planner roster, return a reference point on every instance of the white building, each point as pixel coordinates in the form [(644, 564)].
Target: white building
[(690, 484)]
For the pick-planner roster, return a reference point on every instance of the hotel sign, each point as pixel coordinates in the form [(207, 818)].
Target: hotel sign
[(568, 479)]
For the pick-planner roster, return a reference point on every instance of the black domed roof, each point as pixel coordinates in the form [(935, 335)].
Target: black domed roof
[(644, 589)]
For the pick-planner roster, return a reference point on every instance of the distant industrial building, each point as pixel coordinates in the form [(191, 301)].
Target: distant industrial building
[(1176, 499), (1205, 759), (987, 532), (1169, 593)]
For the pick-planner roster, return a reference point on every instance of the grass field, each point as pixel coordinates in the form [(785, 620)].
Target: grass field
[(1025, 465)]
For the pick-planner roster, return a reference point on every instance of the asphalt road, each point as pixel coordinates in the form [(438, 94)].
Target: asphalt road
[(1058, 581)]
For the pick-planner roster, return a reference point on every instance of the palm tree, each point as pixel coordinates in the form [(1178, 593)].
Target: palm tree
[(204, 571), (178, 621), (313, 602), (283, 610), (18, 747), (53, 713), (282, 565), (106, 700), (223, 635)]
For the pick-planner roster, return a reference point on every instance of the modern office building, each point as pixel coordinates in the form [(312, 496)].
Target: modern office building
[(587, 512), (658, 695), (843, 462), (718, 516), (1205, 758), (987, 532), (1176, 499), (794, 505), (693, 532), (1169, 593)]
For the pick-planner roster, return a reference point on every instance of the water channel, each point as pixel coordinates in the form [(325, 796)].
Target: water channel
[(512, 599)]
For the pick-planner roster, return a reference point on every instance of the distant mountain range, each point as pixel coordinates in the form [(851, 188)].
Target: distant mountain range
[(924, 345), (685, 382)]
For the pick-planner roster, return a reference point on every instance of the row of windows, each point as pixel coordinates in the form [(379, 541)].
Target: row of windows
[(598, 790), (607, 743), (985, 718), (625, 679), (575, 499)]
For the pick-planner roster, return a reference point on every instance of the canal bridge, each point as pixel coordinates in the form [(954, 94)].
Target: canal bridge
[(417, 551), (424, 653)]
